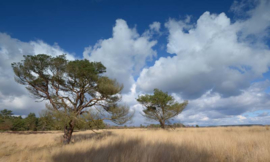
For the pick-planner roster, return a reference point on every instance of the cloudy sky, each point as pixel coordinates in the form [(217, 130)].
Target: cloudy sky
[(213, 53)]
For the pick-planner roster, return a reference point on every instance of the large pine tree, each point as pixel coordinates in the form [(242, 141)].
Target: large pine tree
[(71, 87)]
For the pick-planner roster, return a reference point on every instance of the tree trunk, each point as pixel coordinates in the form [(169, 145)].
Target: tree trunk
[(68, 133), (162, 124)]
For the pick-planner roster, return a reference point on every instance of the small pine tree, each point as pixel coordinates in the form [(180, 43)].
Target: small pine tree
[(160, 106)]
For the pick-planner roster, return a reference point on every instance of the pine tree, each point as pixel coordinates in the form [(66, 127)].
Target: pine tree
[(160, 106), (71, 87)]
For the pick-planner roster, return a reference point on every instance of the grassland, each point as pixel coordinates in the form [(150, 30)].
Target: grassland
[(236, 144)]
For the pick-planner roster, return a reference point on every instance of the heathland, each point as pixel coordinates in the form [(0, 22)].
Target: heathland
[(234, 144)]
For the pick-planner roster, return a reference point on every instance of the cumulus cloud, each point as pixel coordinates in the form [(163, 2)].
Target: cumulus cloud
[(14, 96), (22, 105), (211, 54), (124, 54), (155, 26), (212, 109), (130, 100), (254, 22)]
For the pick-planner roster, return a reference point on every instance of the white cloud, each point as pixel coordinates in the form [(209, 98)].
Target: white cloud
[(155, 26), (212, 109), (258, 20), (14, 96), (40, 47), (130, 100), (210, 55), (124, 54), (21, 105), (241, 118)]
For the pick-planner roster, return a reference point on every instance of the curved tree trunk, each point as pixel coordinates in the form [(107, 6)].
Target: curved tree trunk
[(68, 133)]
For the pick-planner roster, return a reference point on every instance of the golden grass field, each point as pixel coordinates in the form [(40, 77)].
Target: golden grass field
[(236, 144)]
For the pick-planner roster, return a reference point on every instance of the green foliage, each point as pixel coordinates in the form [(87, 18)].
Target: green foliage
[(31, 122), (154, 126), (72, 88), (49, 120), (10, 122), (178, 125), (56, 120), (119, 113), (108, 87), (5, 114), (6, 119), (18, 124), (95, 124), (160, 106), (6, 124)]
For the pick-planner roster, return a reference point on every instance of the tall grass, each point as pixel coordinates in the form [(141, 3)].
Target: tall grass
[(247, 144)]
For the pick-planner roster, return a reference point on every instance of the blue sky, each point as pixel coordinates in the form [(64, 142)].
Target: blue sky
[(76, 24), (213, 53)]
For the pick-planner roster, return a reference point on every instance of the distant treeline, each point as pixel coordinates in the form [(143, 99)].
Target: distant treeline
[(46, 121), (49, 121)]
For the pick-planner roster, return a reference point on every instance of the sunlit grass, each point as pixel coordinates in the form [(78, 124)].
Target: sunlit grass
[(139, 145)]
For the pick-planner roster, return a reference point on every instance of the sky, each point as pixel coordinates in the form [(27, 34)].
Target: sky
[(215, 54)]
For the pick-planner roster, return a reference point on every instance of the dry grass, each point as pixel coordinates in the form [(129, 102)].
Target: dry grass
[(140, 145)]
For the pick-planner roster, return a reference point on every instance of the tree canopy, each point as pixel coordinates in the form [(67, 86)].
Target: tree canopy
[(72, 87), (160, 106), (6, 113)]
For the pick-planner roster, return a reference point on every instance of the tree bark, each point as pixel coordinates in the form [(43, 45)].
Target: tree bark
[(68, 133), (162, 124)]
